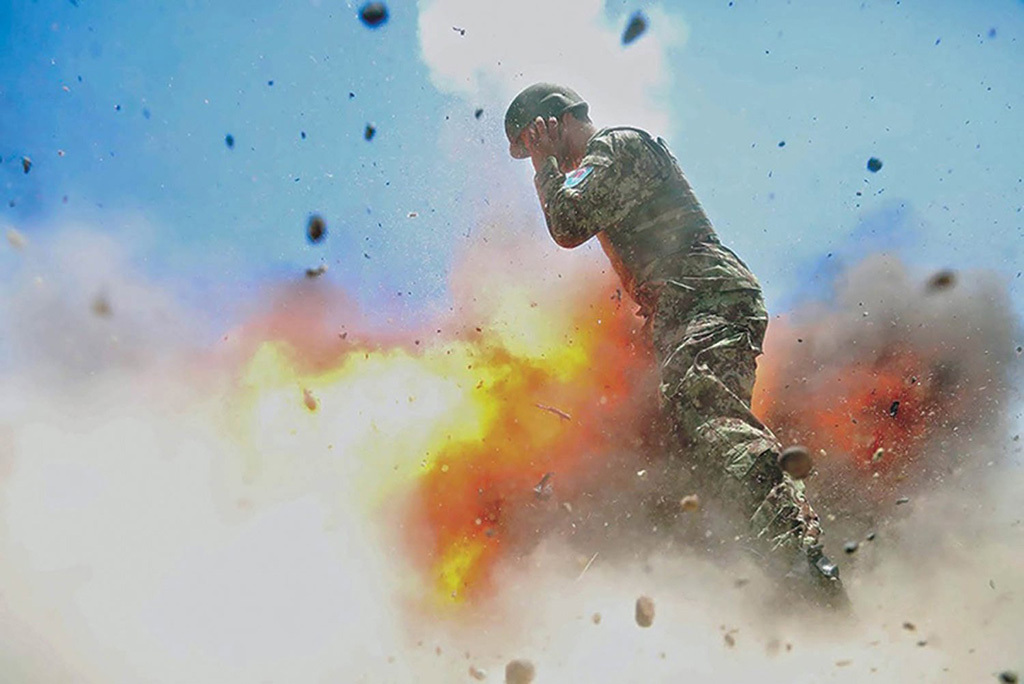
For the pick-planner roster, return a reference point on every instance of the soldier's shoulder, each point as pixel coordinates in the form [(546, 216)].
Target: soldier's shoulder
[(622, 133), (620, 139)]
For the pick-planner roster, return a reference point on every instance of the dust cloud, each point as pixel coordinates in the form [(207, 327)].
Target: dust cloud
[(143, 541)]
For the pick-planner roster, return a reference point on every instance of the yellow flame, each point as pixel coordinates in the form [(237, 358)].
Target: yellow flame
[(382, 418), (454, 568)]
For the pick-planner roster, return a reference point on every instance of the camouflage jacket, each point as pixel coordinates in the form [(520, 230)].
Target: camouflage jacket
[(630, 192)]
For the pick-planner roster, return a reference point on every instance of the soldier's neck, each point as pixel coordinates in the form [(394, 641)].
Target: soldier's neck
[(579, 135)]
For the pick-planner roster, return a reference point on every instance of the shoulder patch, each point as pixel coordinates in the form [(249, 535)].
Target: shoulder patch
[(577, 176)]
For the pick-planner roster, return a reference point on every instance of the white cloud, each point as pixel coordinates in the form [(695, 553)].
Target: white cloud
[(508, 46)]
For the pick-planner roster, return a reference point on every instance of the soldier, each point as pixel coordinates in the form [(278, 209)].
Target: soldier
[(704, 309)]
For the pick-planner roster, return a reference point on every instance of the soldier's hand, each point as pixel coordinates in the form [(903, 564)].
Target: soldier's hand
[(541, 140)]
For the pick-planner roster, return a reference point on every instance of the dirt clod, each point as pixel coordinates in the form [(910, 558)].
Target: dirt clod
[(101, 306), (15, 239), (374, 14), (519, 672), (309, 400), (942, 280), (645, 611), (635, 28), (316, 229), (796, 460)]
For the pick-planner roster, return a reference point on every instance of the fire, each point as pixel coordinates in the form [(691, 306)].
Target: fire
[(461, 429), (472, 434), (873, 412), (884, 412)]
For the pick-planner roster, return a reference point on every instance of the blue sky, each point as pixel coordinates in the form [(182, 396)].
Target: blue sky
[(139, 97)]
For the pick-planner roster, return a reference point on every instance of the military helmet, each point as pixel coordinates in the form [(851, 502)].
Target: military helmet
[(543, 100)]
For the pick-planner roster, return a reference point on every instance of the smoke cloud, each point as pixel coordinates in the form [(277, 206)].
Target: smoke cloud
[(902, 380), (489, 52), (145, 537)]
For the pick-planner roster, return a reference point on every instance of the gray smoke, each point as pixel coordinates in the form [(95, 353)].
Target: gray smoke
[(910, 374), (139, 542)]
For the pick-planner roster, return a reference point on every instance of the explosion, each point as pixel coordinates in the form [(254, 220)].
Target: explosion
[(482, 432), (472, 428), (889, 390), (266, 499)]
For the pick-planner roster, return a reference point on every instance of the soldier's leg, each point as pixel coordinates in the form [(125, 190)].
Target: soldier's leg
[(708, 363)]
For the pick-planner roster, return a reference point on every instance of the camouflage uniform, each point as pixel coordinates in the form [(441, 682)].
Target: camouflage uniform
[(705, 315)]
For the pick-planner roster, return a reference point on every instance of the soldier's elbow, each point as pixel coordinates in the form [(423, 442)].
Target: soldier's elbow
[(566, 240)]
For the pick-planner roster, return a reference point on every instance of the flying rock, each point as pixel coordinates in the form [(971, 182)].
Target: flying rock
[(374, 14), (645, 611), (519, 672), (635, 28)]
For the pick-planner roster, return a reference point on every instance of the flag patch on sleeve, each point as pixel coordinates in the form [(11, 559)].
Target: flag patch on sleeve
[(577, 176)]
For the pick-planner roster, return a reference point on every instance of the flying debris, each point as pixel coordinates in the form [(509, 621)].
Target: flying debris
[(370, 131), (689, 503), (26, 164), (316, 229), (851, 547), (309, 400), (374, 14), (519, 672), (479, 112), (101, 306), (942, 280), (874, 165), (551, 409), (229, 140), (635, 28), (312, 273), (796, 460), (645, 611), (477, 673), (15, 239), (544, 488)]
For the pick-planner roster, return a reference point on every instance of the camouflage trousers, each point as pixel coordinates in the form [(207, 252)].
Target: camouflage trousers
[(706, 342)]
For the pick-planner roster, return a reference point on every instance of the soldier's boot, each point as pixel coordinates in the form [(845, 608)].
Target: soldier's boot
[(814, 578), (788, 527)]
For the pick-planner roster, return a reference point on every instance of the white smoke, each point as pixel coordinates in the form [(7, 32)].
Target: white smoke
[(487, 52), (136, 545)]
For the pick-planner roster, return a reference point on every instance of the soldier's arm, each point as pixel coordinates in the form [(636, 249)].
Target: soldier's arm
[(585, 201)]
